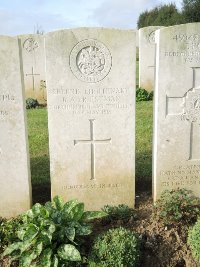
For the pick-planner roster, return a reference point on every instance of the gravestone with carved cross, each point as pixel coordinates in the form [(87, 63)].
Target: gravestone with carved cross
[(91, 95), (147, 57), (33, 59), (177, 110)]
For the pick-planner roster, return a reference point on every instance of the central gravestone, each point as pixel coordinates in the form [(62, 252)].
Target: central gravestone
[(91, 105)]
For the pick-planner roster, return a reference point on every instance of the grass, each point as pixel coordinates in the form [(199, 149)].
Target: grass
[(39, 153), (144, 130)]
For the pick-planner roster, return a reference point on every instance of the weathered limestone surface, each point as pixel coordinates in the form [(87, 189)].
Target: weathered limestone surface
[(177, 109), (147, 57), (33, 57), (15, 185), (91, 105)]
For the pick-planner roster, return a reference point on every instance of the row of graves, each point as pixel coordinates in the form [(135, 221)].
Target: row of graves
[(89, 76)]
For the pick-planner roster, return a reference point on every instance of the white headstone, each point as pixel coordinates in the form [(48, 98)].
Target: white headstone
[(33, 57), (15, 184), (177, 109), (147, 57), (91, 105)]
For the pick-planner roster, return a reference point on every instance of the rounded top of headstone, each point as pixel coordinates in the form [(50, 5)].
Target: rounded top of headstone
[(90, 60)]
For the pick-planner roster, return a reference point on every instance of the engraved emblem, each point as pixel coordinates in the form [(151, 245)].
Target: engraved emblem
[(151, 37), (90, 61), (30, 44), (192, 106)]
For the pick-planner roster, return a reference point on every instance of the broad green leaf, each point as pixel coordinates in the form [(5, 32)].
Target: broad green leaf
[(21, 233), (54, 261), (26, 244), (51, 228), (69, 252), (45, 259), (68, 206), (38, 248), (31, 232), (56, 217), (45, 238), (60, 235), (84, 230), (58, 202), (39, 210), (29, 214), (91, 215), (77, 211), (70, 233), (26, 258), (11, 248), (36, 209), (49, 205)]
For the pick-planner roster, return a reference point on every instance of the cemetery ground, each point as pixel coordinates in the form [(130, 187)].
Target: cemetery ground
[(163, 245)]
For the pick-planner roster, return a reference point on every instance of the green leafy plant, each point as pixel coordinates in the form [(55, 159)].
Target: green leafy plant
[(8, 230), (143, 95), (120, 212), (194, 240), (31, 103), (115, 248), (178, 205), (52, 235)]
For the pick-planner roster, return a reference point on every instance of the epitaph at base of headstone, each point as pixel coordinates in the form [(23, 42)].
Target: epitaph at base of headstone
[(91, 107), (33, 58), (15, 183), (147, 51), (177, 109)]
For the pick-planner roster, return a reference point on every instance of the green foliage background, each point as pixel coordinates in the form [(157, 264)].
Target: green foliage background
[(169, 14)]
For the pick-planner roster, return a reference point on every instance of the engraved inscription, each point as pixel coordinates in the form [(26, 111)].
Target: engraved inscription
[(92, 142), (33, 77), (186, 175), (91, 101), (189, 48), (90, 61), (90, 186), (30, 45), (5, 113), (7, 98)]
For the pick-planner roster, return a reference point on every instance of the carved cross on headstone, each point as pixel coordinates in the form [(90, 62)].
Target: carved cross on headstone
[(92, 142), (188, 108), (33, 78)]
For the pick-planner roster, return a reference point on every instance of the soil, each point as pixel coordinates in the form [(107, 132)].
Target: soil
[(162, 246)]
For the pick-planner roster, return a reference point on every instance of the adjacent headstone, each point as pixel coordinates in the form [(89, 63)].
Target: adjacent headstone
[(147, 57), (91, 113), (33, 57), (15, 184), (177, 109)]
